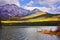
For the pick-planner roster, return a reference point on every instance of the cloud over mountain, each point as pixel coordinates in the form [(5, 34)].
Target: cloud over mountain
[(51, 6)]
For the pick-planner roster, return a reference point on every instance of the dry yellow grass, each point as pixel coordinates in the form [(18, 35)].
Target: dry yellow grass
[(33, 20)]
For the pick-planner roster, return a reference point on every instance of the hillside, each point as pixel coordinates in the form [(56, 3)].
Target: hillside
[(43, 16)]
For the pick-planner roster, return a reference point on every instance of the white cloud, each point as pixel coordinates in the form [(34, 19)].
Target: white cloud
[(3, 2), (29, 8), (47, 2)]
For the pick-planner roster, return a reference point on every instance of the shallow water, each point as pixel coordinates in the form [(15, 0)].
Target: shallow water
[(25, 34)]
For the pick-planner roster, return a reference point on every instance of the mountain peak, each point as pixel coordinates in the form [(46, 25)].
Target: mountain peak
[(36, 10)]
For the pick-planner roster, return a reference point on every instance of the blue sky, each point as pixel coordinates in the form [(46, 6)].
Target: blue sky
[(51, 6), (23, 3)]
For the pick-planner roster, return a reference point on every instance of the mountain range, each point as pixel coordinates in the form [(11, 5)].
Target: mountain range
[(13, 12), (7, 11)]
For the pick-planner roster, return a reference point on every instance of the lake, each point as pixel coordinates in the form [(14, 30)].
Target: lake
[(25, 34)]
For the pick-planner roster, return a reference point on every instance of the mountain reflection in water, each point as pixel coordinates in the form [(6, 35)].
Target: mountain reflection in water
[(25, 34)]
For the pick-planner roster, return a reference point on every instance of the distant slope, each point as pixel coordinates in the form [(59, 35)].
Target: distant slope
[(42, 18)]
